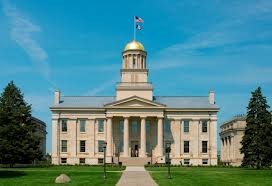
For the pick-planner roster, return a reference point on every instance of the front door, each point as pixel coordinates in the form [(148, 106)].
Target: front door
[(134, 149)]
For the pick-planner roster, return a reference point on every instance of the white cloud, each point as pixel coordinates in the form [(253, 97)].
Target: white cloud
[(101, 87), (21, 31)]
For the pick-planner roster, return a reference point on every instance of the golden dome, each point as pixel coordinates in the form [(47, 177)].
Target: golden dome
[(134, 45)]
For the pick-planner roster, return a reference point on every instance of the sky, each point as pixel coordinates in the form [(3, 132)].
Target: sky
[(193, 47)]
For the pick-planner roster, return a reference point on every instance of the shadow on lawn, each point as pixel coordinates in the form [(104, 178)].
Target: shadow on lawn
[(11, 174)]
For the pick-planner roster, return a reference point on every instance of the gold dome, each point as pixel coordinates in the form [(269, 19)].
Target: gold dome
[(134, 45)]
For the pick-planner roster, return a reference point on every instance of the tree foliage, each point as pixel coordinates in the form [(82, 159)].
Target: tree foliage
[(257, 140), (19, 142)]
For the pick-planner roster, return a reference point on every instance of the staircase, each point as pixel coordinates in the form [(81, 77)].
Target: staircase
[(133, 161)]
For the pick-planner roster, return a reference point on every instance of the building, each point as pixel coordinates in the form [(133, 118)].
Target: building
[(41, 132), (135, 124), (231, 135)]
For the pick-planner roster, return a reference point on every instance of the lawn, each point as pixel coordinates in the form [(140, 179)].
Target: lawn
[(211, 176), (80, 175)]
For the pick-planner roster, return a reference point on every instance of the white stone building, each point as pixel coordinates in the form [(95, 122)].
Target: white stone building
[(135, 124), (231, 135)]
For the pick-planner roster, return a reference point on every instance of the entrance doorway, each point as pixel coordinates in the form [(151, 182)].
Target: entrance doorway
[(134, 149)]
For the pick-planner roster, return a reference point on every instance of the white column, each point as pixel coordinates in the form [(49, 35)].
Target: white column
[(109, 137), (222, 149), (160, 137), (126, 138), (177, 134), (143, 138)]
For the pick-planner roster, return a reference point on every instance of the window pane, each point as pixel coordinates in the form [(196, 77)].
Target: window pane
[(82, 125), (186, 146), (134, 128), (186, 125), (121, 146), (204, 126), (204, 161), (64, 125), (167, 129), (63, 160), (101, 125), (100, 146), (81, 160), (63, 145), (204, 146), (148, 126), (186, 161), (121, 126), (82, 146)]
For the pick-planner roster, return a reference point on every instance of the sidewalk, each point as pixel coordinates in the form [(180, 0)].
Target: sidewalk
[(136, 176)]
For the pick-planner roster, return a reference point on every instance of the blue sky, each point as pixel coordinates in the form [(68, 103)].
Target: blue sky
[(193, 46)]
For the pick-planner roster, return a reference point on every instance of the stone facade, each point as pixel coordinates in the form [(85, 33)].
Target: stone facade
[(41, 132), (231, 135), (134, 123)]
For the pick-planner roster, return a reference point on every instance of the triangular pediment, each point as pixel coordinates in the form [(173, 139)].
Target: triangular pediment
[(134, 102)]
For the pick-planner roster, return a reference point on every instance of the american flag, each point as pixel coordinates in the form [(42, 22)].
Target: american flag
[(138, 20)]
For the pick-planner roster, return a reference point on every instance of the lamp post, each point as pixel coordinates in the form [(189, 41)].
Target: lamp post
[(168, 161), (151, 155), (104, 147)]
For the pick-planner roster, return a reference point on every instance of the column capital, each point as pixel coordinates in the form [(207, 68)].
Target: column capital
[(143, 117)]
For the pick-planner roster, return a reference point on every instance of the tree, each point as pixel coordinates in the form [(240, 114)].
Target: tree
[(257, 140), (18, 141)]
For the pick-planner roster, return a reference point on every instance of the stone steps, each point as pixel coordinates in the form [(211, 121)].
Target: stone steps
[(133, 161)]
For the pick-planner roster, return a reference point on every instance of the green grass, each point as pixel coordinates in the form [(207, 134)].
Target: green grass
[(80, 175), (210, 176)]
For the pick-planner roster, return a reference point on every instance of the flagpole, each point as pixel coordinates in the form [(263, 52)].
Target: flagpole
[(134, 37)]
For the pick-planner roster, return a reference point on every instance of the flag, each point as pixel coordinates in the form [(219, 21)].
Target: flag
[(138, 20), (139, 27)]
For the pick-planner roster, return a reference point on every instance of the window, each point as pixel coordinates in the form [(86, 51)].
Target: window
[(121, 146), (167, 129), (186, 161), (204, 126), (100, 125), (204, 146), (63, 125), (100, 160), (63, 145), (82, 125), (82, 160), (121, 126), (82, 145), (186, 147), (63, 160), (134, 128), (204, 161), (186, 126), (100, 146), (147, 126)]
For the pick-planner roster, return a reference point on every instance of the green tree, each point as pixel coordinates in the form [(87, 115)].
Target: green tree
[(257, 141), (19, 142)]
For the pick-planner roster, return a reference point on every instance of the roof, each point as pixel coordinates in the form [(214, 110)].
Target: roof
[(240, 117), (183, 102), (192, 102)]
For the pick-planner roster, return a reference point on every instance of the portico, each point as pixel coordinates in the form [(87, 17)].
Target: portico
[(132, 138)]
